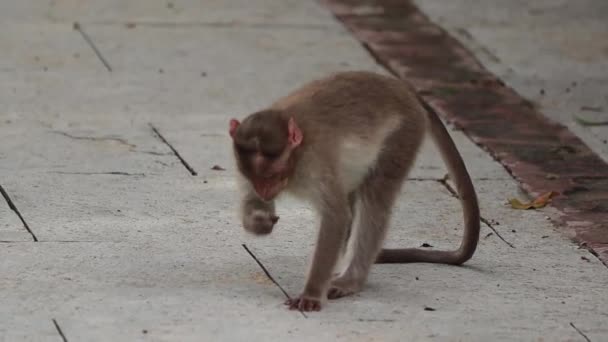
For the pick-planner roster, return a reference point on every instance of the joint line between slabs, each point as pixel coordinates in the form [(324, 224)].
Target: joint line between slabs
[(175, 152), (14, 208), (269, 275), (485, 221), (59, 330), (580, 332), (86, 37)]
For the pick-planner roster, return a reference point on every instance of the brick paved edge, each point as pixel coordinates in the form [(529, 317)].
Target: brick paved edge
[(539, 153)]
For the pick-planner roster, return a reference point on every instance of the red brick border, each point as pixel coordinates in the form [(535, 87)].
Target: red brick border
[(542, 155)]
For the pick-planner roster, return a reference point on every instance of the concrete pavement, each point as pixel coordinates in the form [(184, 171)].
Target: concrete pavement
[(133, 247)]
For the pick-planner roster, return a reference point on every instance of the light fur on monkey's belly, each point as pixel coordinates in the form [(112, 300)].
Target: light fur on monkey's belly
[(357, 158), (358, 154)]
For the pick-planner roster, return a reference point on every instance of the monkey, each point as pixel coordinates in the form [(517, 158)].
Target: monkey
[(345, 143)]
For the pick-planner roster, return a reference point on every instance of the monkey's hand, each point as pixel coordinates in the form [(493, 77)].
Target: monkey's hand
[(259, 222)]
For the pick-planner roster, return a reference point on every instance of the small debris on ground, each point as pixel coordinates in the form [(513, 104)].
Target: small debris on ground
[(203, 74), (130, 25), (428, 308), (538, 202), (488, 235), (494, 222), (592, 109), (585, 258), (417, 278), (513, 231), (544, 236), (217, 168), (542, 91), (426, 245), (144, 331)]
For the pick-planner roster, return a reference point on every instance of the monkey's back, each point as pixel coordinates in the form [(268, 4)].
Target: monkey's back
[(352, 114), (353, 101)]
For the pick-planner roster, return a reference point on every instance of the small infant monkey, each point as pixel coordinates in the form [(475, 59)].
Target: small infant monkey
[(345, 143)]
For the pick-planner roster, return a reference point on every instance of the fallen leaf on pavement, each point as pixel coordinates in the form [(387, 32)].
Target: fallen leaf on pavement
[(538, 202), (217, 168), (585, 122)]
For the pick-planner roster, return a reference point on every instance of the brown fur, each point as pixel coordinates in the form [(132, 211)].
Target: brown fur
[(367, 110)]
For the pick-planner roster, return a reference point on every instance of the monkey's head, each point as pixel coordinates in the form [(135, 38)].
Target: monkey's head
[(263, 146)]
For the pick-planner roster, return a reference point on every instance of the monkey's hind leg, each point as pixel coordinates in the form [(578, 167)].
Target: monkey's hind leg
[(368, 236)]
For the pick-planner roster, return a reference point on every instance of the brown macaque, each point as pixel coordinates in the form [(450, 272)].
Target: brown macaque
[(346, 144)]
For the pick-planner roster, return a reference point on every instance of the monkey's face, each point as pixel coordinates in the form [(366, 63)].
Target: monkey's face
[(263, 146)]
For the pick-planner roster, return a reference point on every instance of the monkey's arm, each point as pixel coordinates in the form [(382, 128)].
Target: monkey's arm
[(336, 218)]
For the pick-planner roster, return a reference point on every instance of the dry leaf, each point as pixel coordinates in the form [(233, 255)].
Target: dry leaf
[(585, 122), (538, 202)]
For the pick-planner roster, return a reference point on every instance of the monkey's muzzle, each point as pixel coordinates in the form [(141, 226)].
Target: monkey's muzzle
[(268, 189)]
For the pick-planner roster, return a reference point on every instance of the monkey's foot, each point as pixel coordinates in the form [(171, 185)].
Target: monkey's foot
[(304, 304), (336, 292), (341, 287)]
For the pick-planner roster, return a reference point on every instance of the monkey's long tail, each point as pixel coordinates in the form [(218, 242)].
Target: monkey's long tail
[(468, 199)]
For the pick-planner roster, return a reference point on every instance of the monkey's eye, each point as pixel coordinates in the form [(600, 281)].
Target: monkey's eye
[(244, 150), (270, 155)]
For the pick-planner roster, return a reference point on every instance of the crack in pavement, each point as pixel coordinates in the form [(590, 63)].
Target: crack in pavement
[(59, 330), (580, 332), (76, 137), (117, 173)]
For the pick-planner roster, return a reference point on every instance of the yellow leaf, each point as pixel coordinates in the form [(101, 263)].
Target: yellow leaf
[(538, 202)]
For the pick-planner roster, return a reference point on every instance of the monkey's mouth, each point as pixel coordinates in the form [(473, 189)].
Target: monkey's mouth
[(268, 189)]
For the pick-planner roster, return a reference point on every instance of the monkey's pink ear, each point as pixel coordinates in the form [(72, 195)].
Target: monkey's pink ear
[(295, 134), (234, 124)]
